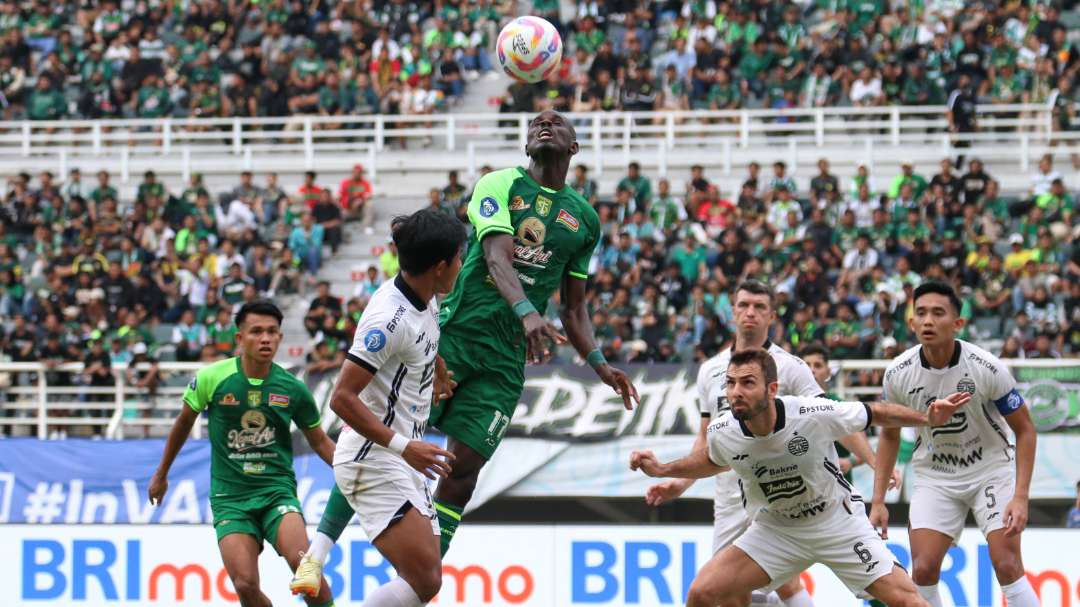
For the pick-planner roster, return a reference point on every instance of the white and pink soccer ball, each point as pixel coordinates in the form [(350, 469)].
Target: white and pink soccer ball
[(529, 49)]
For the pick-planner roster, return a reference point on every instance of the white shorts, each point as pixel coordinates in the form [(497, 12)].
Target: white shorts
[(730, 520), (843, 542), (381, 490), (944, 508)]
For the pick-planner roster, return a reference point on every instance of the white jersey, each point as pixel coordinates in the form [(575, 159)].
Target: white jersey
[(790, 475), (793, 375), (976, 440), (397, 340)]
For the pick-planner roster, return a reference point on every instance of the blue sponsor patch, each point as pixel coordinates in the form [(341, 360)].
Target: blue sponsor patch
[(374, 340), (1010, 402), (488, 207)]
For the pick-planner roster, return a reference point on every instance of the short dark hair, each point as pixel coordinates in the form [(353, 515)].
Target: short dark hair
[(425, 238), (759, 357), (260, 307), (757, 288), (940, 288), (814, 348)]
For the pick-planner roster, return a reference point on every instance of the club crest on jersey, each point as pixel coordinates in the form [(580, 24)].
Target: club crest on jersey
[(517, 203), (531, 232), (228, 400), (798, 445), (254, 398), (543, 205), (374, 340), (278, 400), (488, 207), (568, 220), (966, 384)]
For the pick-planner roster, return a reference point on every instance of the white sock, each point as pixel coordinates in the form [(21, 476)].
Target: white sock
[(320, 547), (1020, 593), (930, 593), (799, 599), (395, 593), (760, 598)]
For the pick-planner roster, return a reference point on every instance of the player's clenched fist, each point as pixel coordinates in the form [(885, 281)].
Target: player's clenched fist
[(879, 518), (942, 409), (158, 486), (662, 493), (428, 459), (646, 462)]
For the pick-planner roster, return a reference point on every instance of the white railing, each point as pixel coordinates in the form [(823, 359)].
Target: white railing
[(1013, 132), (126, 410)]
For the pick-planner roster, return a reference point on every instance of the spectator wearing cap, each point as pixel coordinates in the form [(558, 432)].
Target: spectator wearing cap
[(1018, 255)]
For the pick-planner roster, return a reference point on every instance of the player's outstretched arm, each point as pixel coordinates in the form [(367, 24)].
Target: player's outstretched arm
[(575, 318), (345, 402), (891, 415), (321, 444), (696, 465), (181, 430), (1016, 512), (662, 493), (499, 256), (887, 448)]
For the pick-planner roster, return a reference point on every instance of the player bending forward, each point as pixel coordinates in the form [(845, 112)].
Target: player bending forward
[(966, 464), (251, 403), (383, 395), (802, 509)]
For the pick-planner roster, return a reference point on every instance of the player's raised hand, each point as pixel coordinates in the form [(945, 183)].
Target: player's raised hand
[(662, 493), (621, 383), (1016, 516), (646, 462), (942, 409), (428, 459), (158, 486), (879, 518), (444, 380), (537, 333)]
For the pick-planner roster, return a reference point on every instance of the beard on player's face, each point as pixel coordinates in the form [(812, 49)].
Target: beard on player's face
[(747, 405)]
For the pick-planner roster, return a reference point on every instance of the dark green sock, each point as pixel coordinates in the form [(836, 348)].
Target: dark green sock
[(336, 515), (329, 603), (449, 519)]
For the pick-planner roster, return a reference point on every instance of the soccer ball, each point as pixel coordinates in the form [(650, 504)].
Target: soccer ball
[(529, 49)]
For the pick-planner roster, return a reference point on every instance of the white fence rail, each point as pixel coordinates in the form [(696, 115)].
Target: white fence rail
[(29, 399), (1007, 132)]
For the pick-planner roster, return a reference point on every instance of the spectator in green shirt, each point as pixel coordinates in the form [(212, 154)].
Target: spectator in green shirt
[(150, 187), (753, 66), (588, 36), (638, 185), (152, 100), (842, 335), (909, 176), (104, 190), (45, 102)]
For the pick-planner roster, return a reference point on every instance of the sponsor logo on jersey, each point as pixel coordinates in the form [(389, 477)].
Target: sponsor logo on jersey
[(488, 206), (812, 510), (254, 467), (915, 391), (279, 400), (531, 232), (374, 340), (716, 426), (228, 400), (815, 409), (900, 367), (798, 445), (957, 424), (783, 488), (543, 205), (518, 204), (254, 398), (957, 461), (390, 326), (568, 220), (740, 457), (254, 433), (978, 360), (534, 257), (966, 384)]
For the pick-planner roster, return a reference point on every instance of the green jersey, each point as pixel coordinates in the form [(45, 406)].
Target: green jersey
[(555, 234), (251, 448)]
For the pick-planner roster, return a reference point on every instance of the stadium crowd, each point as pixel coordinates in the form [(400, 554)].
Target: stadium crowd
[(277, 58)]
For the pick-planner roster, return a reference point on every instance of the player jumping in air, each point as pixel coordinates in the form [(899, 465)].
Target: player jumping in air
[(802, 510), (968, 464), (384, 395), (251, 403), (754, 314), (534, 235)]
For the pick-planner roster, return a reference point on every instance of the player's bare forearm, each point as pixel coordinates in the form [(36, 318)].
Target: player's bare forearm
[(858, 445), (887, 448), (575, 316), (694, 466), (1022, 426), (321, 444), (499, 256), (346, 403), (892, 415), (178, 435), (699, 446)]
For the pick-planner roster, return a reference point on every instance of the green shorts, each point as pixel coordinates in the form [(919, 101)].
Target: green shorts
[(257, 514), (490, 381)]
